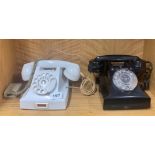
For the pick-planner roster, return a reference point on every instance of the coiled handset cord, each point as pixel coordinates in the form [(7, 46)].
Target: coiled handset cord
[(147, 75), (88, 85)]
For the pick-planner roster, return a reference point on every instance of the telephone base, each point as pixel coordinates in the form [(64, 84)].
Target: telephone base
[(45, 103), (126, 103), (44, 106), (49, 105), (115, 99)]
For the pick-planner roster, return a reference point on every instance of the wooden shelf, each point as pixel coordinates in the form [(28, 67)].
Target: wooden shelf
[(15, 53), (79, 106)]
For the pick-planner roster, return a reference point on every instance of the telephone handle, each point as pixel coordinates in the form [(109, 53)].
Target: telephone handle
[(117, 58), (98, 64)]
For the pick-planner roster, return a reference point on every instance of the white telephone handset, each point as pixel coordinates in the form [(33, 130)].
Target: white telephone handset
[(48, 84)]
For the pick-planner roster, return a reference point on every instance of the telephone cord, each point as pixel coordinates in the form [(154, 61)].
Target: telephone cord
[(88, 85)]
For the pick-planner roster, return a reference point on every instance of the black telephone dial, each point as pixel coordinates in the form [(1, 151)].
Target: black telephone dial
[(123, 80)]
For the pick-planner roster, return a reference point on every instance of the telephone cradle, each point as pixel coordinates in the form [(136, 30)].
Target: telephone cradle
[(122, 81), (49, 86)]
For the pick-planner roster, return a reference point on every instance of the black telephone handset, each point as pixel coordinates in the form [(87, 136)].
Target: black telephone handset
[(140, 67), (122, 80)]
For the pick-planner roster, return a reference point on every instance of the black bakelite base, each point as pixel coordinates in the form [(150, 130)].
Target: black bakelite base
[(117, 100), (117, 103)]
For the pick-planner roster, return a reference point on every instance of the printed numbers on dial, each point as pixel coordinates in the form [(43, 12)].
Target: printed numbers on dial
[(44, 84)]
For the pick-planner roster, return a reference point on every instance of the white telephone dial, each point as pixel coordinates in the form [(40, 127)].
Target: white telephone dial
[(48, 84)]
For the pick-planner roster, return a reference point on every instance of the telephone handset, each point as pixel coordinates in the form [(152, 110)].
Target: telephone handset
[(138, 66), (44, 80), (122, 80), (71, 70)]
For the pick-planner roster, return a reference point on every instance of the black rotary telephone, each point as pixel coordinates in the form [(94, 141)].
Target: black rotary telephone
[(123, 80)]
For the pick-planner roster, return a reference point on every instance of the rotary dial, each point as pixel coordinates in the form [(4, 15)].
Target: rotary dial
[(125, 80), (44, 84)]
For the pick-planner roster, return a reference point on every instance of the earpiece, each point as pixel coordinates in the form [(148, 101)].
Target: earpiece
[(27, 71), (72, 72)]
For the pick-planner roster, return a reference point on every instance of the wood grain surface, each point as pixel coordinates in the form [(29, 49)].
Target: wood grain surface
[(7, 64), (149, 54), (78, 51)]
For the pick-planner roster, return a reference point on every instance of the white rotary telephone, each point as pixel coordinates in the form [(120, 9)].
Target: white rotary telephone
[(48, 86)]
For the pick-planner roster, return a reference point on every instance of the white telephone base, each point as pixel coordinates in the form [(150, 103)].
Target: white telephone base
[(56, 101)]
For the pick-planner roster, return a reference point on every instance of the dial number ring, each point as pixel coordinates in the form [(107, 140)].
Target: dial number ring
[(44, 84), (125, 80)]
